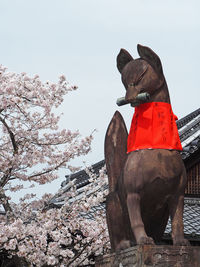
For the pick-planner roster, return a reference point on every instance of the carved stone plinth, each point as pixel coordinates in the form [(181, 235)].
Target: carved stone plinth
[(153, 256)]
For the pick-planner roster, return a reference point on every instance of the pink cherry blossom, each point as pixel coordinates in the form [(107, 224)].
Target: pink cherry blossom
[(32, 149)]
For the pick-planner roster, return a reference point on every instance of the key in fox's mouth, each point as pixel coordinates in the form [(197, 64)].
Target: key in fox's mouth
[(143, 97)]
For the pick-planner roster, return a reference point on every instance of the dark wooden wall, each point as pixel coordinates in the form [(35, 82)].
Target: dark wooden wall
[(193, 185)]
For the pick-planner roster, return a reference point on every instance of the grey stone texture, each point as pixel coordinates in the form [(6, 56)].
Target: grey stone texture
[(153, 256)]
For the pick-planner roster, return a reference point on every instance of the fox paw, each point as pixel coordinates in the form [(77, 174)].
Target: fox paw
[(124, 244), (145, 240), (181, 242)]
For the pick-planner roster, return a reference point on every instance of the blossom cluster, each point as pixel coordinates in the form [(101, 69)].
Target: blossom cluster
[(58, 237), (32, 148)]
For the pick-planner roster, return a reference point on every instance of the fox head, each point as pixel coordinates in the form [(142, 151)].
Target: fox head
[(140, 75)]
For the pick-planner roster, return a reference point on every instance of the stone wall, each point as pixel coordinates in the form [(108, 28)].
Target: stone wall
[(153, 256)]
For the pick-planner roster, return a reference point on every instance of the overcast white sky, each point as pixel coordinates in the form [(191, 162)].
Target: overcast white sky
[(81, 39)]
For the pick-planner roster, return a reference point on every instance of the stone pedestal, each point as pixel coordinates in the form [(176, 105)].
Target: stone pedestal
[(152, 256)]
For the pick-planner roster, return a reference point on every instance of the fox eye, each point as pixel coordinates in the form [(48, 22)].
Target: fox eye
[(136, 82), (141, 76), (132, 84)]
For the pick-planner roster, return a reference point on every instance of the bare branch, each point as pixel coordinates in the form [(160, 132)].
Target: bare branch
[(12, 136), (47, 171), (79, 254), (6, 177)]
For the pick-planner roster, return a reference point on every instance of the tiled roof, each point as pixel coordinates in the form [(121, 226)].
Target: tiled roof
[(189, 132), (191, 219), (82, 178), (183, 121)]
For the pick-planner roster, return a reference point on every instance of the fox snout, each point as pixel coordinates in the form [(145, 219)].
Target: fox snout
[(131, 93)]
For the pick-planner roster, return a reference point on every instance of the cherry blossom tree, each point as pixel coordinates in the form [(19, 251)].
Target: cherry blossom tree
[(32, 149)]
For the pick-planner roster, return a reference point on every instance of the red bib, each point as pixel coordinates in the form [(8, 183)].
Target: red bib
[(153, 126)]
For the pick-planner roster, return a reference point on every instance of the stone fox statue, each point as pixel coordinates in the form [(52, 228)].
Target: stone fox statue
[(147, 177)]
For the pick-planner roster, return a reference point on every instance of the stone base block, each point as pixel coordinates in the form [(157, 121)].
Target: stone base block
[(153, 256)]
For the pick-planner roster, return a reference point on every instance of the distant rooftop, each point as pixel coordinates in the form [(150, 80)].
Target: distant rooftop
[(189, 132)]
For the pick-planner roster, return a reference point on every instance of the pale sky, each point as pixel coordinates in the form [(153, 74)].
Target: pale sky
[(81, 39)]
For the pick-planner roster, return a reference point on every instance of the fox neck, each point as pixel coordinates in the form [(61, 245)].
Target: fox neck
[(161, 94)]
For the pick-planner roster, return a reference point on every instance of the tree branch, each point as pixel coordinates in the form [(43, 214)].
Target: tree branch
[(79, 254), (47, 171), (6, 204), (12, 137), (5, 178)]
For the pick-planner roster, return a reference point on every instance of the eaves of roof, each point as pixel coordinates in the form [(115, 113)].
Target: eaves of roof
[(189, 132)]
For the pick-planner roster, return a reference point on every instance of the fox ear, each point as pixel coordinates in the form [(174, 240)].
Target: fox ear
[(151, 57), (122, 59)]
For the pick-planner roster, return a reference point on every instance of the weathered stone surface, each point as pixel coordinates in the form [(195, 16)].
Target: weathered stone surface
[(153, 256)]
